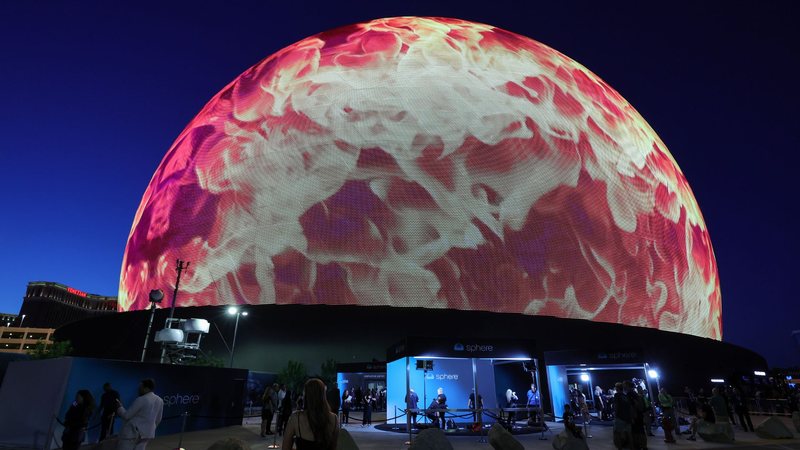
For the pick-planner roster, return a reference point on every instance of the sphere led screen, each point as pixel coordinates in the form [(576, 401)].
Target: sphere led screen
[(426, 162)]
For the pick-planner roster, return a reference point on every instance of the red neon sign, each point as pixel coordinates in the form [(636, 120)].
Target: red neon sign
[(76, 292)]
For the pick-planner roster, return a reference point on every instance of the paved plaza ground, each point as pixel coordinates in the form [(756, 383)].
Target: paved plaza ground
[(369, 438)]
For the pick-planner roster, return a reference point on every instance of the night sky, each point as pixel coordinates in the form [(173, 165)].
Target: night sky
[(94, 93)]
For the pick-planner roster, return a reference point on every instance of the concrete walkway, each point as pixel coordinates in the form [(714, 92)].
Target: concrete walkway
[(369, 438)]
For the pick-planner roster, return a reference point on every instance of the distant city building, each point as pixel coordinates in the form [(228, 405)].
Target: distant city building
[(23, 339), (50, 305)]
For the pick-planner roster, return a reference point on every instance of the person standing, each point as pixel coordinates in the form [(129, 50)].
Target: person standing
[(740, 405), (334, 399), (534, 403), (717, 403), (279, 419), (315, 426), (637, 418), (347, 403), (268, 407), (412, 403), (669, 421), (511, 403), (441, 398), (108, 408), (285, 411), (623, 418), (476, 416), (76, 420), (648, 410), (141, 419), (359, 397), (368, 404)]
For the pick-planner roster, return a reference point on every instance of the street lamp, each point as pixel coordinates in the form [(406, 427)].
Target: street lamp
[(233, 310), (653, 374), (21, 320)]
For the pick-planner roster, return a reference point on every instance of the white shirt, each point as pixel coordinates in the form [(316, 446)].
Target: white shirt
[(142, 418)]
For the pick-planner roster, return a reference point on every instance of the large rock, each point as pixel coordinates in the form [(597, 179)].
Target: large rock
[(230, 444), (431, 439), (501, 439), (773, 428), (715, 432), (796, 420), (345, 441), (567, 441)]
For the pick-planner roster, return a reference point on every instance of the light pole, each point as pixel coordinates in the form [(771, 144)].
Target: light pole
[(653, 374), (233, 310), (156, 295)]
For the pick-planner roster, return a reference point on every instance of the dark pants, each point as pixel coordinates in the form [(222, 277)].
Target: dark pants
[(413, 416), (367, 415), (72, 438), (345, 416), (106, 426), (744, 420), (266, 418), (443, 424)]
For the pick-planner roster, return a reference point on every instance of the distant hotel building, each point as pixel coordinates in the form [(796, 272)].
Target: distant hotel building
[(51, 305)]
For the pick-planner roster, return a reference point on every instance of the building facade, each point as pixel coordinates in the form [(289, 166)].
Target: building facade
[(6, 319), (50, 305), (23, 339)]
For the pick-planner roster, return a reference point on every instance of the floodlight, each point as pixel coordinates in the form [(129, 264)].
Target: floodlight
[(584, 377), (156, 295), (244, 313), (233, 310), (652, 374)]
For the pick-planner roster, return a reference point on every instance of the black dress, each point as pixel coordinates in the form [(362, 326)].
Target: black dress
[(75, 422)]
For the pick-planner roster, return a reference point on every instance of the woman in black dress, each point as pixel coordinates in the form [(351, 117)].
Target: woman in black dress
[(76, 420), (347, 403), (368, 400), (285, 410), (314, 428)]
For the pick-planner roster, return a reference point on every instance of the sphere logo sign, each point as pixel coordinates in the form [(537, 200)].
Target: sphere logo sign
[(426, 162)]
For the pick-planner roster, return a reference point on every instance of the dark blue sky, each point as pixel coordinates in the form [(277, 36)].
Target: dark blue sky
[(93, 94)]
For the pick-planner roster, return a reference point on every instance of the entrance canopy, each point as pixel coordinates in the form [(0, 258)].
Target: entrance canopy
[(585, 370), (458, 368)]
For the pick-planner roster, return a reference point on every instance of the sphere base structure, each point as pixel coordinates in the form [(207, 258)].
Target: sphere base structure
[(272, 335)]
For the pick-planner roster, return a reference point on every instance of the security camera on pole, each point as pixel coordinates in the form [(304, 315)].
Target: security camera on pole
[(156, 295)]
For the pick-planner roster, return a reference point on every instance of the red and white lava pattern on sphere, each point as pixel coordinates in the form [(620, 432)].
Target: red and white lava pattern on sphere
[(426, 162)]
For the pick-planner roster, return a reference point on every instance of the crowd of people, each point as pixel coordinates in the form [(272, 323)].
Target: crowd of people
[(139, 420), (310, 419)]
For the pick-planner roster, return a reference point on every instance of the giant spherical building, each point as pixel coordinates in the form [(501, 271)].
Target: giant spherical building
[(426, 162)]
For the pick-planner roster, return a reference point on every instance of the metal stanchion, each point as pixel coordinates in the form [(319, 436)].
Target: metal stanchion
[(183, 428), (480, 421), (395, 427), (408, 426)]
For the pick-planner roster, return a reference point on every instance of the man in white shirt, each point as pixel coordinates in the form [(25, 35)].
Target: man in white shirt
[(141, 419)]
